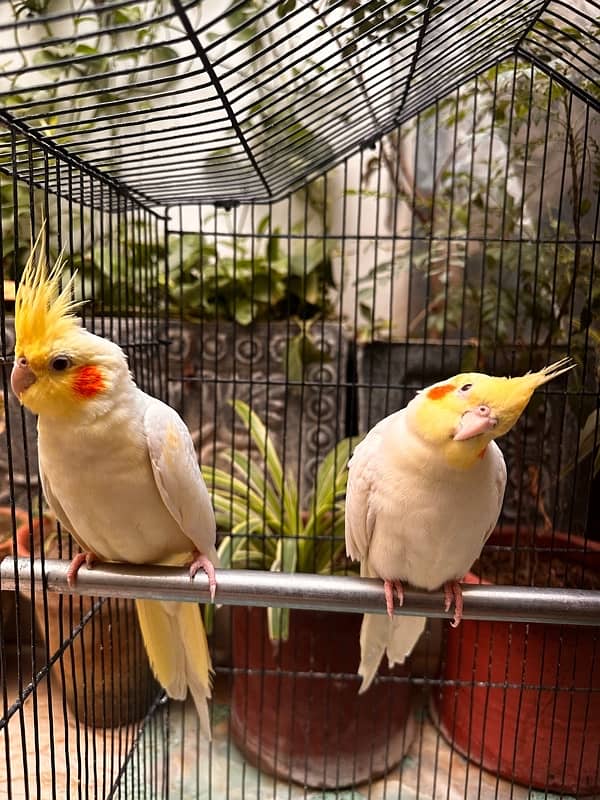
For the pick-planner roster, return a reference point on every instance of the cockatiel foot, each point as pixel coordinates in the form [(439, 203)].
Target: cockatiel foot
[(389, 587), (453, 593), (203, 562), (76, 565)]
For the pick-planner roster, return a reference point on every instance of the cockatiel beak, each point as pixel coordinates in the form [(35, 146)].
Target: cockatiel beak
[(475, 422), (505, 401), (22, 377)]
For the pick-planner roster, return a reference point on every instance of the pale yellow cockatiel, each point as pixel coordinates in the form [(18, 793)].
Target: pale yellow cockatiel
[(118, 468), (425, 490)]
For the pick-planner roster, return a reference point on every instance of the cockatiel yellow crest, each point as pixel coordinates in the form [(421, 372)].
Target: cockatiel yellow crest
[(425, 489), (117, 467), (43, 311)]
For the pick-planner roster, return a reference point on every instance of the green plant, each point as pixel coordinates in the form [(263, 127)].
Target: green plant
[(239, 279), (120, 272), (259, 506), (232, 280), (123, 274), (502, 239)]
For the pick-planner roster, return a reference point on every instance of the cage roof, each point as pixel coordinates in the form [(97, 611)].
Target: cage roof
[(181, 102)]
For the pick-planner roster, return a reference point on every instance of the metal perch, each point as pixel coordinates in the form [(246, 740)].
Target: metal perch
[(319, 592)]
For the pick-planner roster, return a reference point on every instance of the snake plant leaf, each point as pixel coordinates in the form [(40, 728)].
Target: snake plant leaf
[(267, 528), (262, 440)]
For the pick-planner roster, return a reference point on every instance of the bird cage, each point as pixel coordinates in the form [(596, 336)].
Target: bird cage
[(292, 216)]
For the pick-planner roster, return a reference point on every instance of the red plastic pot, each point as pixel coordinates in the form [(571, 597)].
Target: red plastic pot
[(296, 711), (539, 724)]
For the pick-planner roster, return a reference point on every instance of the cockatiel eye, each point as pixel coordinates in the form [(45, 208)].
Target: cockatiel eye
[(466, 387), (60, 363)]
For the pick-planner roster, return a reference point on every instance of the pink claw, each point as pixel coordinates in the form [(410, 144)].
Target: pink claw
[(203, 562), (76, 565), (389, 587), (453, 593)]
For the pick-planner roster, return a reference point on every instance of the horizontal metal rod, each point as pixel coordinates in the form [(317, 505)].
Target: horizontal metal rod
[(319, 592)]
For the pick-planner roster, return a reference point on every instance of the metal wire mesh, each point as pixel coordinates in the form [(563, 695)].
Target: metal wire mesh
[(185, 102), (312, 211)]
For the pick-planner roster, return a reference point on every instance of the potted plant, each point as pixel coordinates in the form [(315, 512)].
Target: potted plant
[(295, 709), (523, 700), (108, 679)]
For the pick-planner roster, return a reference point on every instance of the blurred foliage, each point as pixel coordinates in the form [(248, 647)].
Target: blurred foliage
[(375, 21), (269, 98), (233, 277), (494, 276), (120, 272), (99, 43), (237, 281), (503, 237), (260, 506)]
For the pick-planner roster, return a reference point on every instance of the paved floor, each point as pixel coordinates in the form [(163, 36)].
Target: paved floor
[(171, 760)]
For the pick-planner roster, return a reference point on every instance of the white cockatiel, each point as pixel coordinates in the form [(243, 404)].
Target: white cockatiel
[(425, 490), (118, 468)]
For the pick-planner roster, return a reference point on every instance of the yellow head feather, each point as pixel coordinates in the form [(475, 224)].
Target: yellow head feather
[(511, 395), (43, 312), (436, 412)]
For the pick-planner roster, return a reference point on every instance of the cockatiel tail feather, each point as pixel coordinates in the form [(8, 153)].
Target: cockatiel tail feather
[(178, 668)]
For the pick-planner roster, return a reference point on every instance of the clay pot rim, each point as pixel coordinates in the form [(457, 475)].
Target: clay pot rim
[(581, 548)]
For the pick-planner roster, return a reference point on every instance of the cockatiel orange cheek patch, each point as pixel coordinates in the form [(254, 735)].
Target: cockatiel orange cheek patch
[(437, 392), (88, 382)]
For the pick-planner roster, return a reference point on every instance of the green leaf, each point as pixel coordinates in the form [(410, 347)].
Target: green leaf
[(273, 247), (258, 481), (278, 620), (231, 494), (294, 365), (163, 53), (301, 350), (263, 442), (242, 311), (286, 555), (333, 465), (285, 7), (589, 436), (288, 489)]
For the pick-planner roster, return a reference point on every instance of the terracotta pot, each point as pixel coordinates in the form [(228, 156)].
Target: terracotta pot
[(107, 678), (549, 737), (296, 711)]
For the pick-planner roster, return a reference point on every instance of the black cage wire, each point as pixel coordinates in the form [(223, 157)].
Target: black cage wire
[(308, 211)]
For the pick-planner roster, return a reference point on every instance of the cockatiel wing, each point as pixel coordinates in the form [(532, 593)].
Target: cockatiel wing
[(500, 485), (178, 477), (360, 515), (184, 493), (57, 509)]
